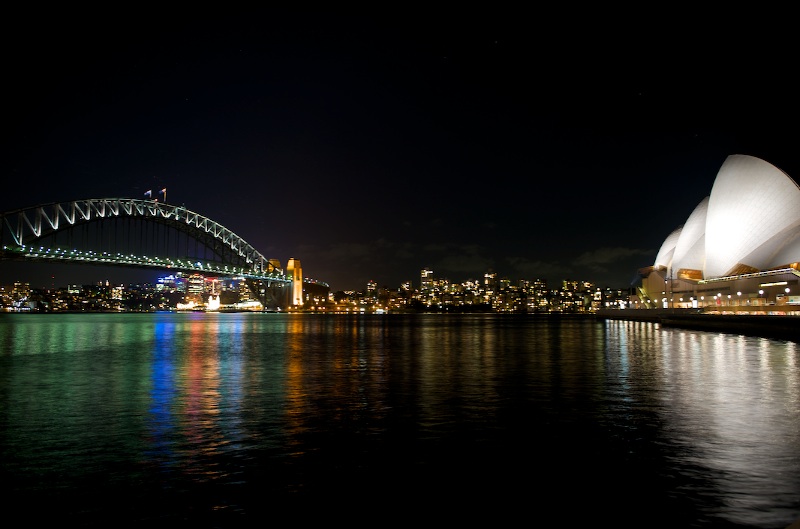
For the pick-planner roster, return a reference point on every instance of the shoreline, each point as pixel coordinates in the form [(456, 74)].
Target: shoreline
[(782, 327)]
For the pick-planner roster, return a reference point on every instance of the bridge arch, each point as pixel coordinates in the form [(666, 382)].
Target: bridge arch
[(131, 232)]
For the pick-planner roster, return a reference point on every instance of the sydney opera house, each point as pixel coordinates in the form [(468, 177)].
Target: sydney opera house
[(739, 250)]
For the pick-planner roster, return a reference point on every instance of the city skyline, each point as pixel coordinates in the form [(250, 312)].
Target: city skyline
[(369, 147), (51, 276), (196, 292)]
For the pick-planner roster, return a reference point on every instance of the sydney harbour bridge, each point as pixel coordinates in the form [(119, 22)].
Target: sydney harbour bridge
[(142, 233)]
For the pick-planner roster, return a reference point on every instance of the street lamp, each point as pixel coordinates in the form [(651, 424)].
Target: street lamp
[(760, 297)]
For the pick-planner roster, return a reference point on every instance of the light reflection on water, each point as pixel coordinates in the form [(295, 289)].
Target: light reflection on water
[(202, 416)]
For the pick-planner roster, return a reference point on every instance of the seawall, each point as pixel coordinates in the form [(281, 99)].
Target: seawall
[(782, 327)]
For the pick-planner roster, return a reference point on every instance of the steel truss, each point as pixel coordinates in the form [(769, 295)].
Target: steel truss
[(124, 231)]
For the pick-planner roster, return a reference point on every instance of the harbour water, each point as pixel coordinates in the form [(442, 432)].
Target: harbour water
[(247, 419)]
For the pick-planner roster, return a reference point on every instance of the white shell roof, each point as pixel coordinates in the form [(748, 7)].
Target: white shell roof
[(690, 252), (751, 217), (664, 256)]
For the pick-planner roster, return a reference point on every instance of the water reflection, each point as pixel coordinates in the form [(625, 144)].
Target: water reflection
[(202, 414), (163, 395), (729, 404)]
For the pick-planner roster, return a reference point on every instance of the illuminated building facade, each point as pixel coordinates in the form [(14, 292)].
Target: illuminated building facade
[(295, 272), (426, 279), (740, 247), (195, 285)]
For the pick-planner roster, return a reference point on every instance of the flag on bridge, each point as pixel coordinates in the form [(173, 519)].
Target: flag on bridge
[(148, 193)]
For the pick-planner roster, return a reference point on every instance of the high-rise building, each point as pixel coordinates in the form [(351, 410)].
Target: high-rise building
[(195, 285), (426, 277), (489, 285), (21, 290)]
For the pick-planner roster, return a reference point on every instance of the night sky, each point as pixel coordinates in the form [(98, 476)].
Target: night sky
[(370, 146)]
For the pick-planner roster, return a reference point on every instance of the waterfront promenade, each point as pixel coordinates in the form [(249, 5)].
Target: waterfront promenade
[(785, 326)]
